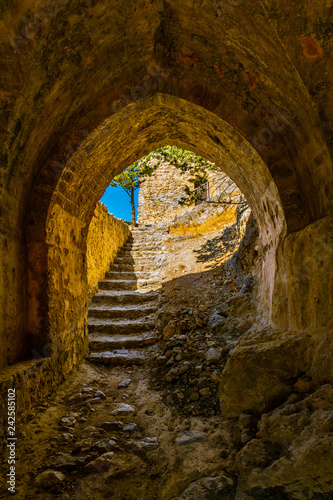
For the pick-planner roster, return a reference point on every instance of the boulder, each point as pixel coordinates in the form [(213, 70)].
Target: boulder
[(49, 478), (260, 373)]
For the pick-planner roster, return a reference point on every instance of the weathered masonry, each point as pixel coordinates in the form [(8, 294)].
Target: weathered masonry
[(89, 87)]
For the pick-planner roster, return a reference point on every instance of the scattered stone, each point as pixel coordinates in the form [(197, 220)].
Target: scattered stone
[(49, 478), (63, 438), (130, 428), (215, 378), (205, 393), (99, 394), (94, 401), (183, 369), (111, 426), (194, 396), (180, 395), (100, 447), (65, 462), (123, 409), (94, 430), (170, 330), (209, 488), (100, 464), (87, 390), (67, 421), (147, 444), (172, 375), (202, 382), (198, 369), (213, 355), (188, 437), (77, 398), (216, 321), (124, 383)]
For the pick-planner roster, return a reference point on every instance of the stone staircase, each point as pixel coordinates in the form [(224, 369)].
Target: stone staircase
[(121, 318)]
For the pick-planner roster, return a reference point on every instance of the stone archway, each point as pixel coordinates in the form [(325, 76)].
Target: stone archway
[(102, 83)]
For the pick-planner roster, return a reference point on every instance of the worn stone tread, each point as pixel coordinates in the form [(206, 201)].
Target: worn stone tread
[(102, 343), (112, 326), (125, 312), (117, 357)]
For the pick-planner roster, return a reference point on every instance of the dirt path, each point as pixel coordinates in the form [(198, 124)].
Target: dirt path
[(140, 468)]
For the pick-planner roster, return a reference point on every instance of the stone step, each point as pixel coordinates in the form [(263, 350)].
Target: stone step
[(143, 242), (123, 297), (108, 326), (130, 260), (117, 284), (137, 253), (131, 275), (99, 343), (120, 275), (146, 283), (118, 357), (132, 267), (124, 312)]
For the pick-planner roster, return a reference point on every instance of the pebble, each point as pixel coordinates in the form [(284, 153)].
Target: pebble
[(213, 355), (67, 421), (188, 437), (100, 464), (123, 409), (63, 438), (94, 401), (202, 382), (198, 370), (65, 462), (99, 394), (49, 478), (124, 383), (215, 378), (131, 428), (205, 393), (87, 390), (194, 396), (111, 426)]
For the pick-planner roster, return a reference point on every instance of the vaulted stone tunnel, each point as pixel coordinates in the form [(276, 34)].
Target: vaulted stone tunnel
[(88, 87)]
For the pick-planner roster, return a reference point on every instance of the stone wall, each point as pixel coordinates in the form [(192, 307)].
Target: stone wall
[(159, 195), (106, 235), (77, 258)]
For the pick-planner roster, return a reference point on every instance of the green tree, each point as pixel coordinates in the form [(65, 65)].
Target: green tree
[(130, 179), (187, 162)]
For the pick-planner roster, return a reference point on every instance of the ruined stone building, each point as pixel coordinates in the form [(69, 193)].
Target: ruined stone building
[(87, 87), (160, 193)]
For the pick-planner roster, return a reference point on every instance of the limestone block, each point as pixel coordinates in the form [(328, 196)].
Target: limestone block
[(261, 372)]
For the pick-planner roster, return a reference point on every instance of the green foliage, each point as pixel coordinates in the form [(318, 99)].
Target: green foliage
[(186, 162), (131, 178)]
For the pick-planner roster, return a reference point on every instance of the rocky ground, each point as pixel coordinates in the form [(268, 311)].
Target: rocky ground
[(156, 431)]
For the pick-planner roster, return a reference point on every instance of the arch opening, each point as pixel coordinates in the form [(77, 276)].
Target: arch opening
[(59, 232)]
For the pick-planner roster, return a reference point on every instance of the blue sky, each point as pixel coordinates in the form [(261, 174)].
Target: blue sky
[(118, 202)]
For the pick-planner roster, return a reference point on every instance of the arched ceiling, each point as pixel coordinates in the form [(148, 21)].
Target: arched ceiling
[(263, 67), (140, 128)]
